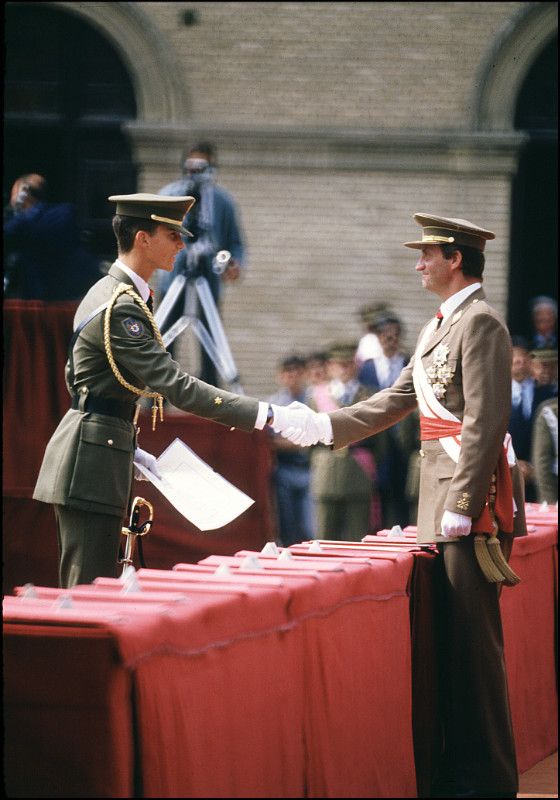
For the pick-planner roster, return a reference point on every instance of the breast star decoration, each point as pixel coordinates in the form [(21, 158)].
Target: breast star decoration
[(439, 372)]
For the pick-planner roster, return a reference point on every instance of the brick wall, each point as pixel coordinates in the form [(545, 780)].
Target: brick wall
[(388, 65)]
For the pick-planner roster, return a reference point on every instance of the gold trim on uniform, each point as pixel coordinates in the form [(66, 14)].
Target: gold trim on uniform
[(431, 239), (124, 288), (218, 401), (463, 501)]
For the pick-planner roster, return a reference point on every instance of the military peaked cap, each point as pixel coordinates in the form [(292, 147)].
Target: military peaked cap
[(159, 208), (343, 351), (371, 313), (444, 230), (545, 354)]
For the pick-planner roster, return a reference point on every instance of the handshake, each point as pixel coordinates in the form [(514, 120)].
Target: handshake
[(301, 425)]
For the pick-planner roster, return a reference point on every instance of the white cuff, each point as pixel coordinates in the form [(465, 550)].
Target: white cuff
[(260, 422), (325, 424)]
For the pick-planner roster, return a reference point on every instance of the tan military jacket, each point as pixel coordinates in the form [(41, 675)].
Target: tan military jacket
[(478, 393), (88, 461)]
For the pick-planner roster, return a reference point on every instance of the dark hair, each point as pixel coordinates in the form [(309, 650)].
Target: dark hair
[(519, 341), (203, 147), (319, 356), (381, 323), (37, 189), (126, 228), (292, 362), (472, 265)]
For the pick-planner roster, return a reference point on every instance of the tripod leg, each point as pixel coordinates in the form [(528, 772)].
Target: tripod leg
[(217, 330), (166, 306), (174, 331), (208, 343)]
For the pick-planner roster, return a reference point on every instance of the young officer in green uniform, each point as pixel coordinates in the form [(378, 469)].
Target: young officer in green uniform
[(117, 356)]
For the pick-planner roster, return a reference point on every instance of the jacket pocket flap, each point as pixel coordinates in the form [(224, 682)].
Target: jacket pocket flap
[(95, 432)]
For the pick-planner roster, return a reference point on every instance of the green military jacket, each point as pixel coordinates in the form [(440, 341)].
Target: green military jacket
[(478, 393), (88, 463)]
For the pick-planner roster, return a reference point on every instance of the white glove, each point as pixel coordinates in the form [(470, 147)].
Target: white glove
[(317, 428), (301, 425), (453, 524), (146, 460), (284, 416)]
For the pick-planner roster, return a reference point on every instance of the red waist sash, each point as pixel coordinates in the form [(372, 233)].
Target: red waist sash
[(435, 428), (431, 428)]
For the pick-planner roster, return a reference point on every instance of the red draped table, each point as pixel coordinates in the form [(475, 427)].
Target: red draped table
[(273, 682), (529, 617)]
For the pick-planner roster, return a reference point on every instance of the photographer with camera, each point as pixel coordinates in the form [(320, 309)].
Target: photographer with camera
[(44, 258), (214, 224)]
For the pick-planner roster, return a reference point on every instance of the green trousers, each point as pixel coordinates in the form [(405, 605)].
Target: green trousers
[(88, 545)]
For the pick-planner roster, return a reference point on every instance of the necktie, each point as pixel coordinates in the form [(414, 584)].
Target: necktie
[(439, 317), (150, 301)]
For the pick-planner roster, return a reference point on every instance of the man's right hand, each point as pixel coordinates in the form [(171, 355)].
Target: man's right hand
[(301, 425)]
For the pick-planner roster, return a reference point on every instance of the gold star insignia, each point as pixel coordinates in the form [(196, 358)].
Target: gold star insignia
[(218, 401)]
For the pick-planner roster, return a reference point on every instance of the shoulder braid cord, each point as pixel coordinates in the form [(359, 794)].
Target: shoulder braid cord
[(157, 397)]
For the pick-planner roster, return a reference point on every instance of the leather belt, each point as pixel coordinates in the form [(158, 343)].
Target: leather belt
[(105, 405)]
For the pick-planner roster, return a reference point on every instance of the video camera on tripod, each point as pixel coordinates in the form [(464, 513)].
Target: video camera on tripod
[(196, 265)]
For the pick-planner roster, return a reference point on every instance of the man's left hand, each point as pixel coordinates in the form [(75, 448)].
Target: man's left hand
[(453, 524), (146, 460)]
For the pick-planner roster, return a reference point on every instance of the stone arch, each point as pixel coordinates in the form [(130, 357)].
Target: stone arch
[(146, 52), (507, 64)]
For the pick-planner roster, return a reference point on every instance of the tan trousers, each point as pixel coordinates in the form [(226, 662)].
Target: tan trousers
[(479, 750)]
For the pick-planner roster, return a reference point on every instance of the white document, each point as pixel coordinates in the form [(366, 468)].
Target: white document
[(199, 493)]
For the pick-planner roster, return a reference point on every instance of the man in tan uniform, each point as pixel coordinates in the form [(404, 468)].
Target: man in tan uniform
[(115, 357), (460, 379)]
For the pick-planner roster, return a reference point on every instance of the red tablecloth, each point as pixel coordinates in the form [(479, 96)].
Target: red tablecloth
[(529, 622), (264, 682), (68, 717), (239, 690)]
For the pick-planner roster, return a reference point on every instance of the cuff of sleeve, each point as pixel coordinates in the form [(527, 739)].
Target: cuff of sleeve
[(260, 422), (326, 428)]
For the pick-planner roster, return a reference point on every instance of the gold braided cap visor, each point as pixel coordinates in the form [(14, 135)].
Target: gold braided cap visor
[(172, 223), (449, 230), (433, 235)]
